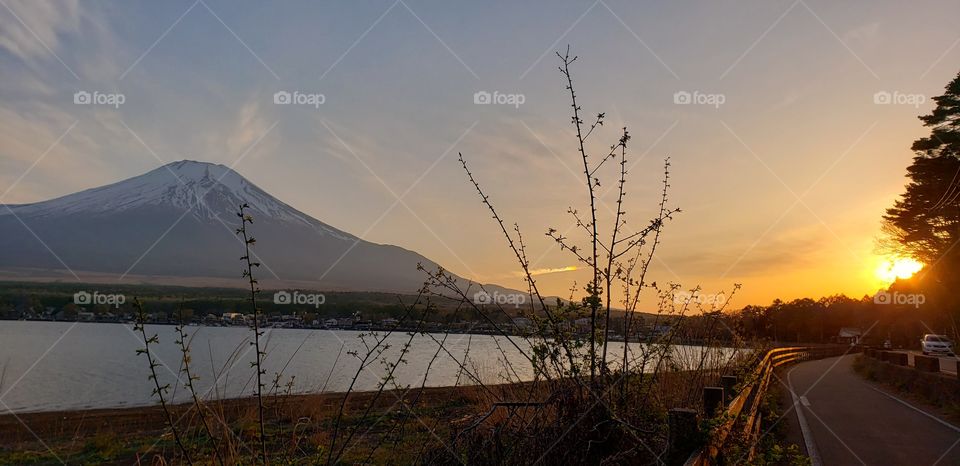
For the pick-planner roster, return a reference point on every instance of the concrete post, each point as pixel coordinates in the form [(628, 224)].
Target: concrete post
[(900, 359), (926, 363), (729, 383), (683, 434)]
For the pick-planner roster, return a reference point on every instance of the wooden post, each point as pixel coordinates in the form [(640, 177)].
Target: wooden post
[(712, 400), (754, 437)]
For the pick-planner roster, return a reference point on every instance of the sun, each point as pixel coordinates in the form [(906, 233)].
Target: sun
[(894, 268)]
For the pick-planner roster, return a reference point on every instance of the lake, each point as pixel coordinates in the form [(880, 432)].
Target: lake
[(49, 366)]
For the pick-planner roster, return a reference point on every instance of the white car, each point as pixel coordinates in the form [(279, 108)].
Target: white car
[(931, 344)]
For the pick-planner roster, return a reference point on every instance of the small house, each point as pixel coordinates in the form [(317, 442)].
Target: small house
[(850, 335)]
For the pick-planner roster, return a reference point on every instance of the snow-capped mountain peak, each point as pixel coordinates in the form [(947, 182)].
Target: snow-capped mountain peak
[(176, 224), (204, 190)]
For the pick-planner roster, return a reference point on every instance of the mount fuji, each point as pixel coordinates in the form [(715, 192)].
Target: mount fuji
[(176, 224)]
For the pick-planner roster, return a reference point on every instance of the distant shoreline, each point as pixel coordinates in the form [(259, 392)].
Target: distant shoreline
[(434, 328)]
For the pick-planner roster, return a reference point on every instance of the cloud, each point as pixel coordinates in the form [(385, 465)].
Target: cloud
[(786, 251), (546, 271), (249, 126), (84, 157), (60, 42), (227, 134), (865, 35), (42, 25)]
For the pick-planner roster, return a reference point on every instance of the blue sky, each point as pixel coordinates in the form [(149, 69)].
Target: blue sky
[(782, 185)]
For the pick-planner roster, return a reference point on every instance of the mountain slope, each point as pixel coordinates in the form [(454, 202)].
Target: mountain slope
[(178, 221)]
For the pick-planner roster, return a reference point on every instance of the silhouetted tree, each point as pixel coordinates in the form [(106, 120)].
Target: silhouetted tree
[(925, 222)]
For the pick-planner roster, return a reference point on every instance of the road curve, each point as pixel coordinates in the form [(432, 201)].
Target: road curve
[(853, 422)]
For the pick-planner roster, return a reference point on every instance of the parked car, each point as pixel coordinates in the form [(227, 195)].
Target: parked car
[(931, 344)]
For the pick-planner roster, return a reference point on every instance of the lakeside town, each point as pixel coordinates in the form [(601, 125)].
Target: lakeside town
[(510, 320), (309, 320)]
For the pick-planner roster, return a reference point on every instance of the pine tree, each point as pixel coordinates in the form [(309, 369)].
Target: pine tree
[(925, 222), (944, 137)]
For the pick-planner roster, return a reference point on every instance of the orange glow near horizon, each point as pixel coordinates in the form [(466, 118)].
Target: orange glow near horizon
[(894, 268)]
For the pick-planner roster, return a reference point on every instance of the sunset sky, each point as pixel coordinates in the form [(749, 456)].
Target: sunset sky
[(782, 186)]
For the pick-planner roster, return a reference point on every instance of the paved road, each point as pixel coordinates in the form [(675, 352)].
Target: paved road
[(851, 422)]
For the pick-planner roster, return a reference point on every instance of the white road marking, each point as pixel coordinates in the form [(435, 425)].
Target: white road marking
[(805, 431), (931, 416), (804, 401)]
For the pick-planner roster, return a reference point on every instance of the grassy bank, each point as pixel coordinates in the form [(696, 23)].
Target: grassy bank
[(411, 426), (296, 423)]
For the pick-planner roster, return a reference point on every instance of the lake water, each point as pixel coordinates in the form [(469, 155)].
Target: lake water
[(48, 366)]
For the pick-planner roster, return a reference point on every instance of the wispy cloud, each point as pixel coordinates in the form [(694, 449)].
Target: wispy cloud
[(248, 126), (28, 29), (547, 271)]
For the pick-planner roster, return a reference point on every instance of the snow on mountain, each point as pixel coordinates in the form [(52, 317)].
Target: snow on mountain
[(206, 190), (178, 221)]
